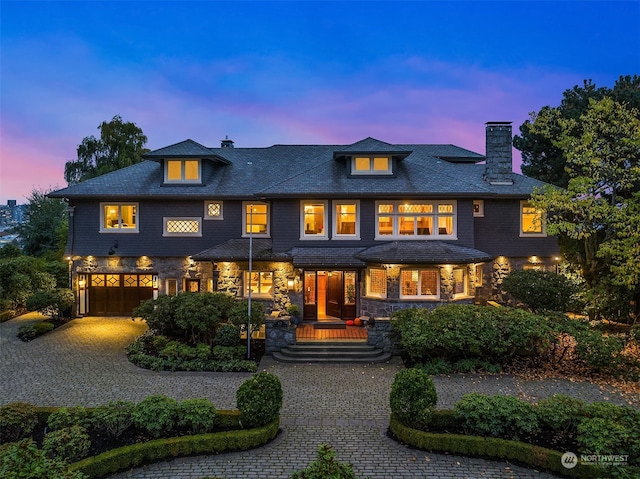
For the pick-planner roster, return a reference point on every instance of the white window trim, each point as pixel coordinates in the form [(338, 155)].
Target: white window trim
[(325, 234), (267, 234), (119, 230), (206, 210), (435, 236), (543, 234), (166, 219), (182, 181), (338, 236), (371, 171), (371, 294), (422, 297), (480, 212)]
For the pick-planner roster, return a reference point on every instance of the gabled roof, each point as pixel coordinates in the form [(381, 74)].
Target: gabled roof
[(422, 252), (371, 145), (184, 149)]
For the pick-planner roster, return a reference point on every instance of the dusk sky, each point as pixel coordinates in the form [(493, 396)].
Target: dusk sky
[(294, 72)]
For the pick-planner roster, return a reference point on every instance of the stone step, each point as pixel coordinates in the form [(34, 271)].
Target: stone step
[(336, 352)]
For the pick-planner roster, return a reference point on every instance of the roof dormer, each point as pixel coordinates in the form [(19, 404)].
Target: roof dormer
[(371, 157), (182, 163)]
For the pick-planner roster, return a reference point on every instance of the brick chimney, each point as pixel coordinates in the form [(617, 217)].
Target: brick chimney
[(498, 168)]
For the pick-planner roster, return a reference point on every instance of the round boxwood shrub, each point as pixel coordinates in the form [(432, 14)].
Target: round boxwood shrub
[(259, 400), (17, 421), (540, 290), (156, 414), (413, 397), (197, 416), (69, 416)]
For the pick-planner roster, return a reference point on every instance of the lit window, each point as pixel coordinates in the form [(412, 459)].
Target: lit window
[(313, 219), (421, 284), (171, 286), (346, 220), (260, 282), (377, 284), (349, 287), (531, 220), (213, 210), (478, 208), (256, 219), (119, 217), (423, 220), (182, 171), (459, 281), (182, 227), (371, 165)]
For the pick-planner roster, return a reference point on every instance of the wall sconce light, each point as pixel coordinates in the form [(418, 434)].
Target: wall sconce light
[(113, 248), (290, 284)]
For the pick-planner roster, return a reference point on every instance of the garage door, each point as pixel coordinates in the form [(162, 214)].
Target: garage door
[(118, 294)]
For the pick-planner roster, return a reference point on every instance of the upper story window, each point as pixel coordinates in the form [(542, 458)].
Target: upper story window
[(346, 221), (531, 220), (416, 220), (314, 219), (377, 282), (478, 208), (420, 284), (255, 219), (182, 227), (371, 165), (182, 171), (119, 217), (213, 210)]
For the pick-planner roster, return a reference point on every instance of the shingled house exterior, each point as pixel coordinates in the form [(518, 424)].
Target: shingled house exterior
[(341, 230)]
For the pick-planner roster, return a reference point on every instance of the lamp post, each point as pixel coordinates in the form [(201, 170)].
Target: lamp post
[(250, 274)]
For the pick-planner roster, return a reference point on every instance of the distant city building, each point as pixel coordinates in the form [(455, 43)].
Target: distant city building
[(11, 214)]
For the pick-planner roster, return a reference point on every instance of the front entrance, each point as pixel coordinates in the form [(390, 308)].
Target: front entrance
[(329, 295)]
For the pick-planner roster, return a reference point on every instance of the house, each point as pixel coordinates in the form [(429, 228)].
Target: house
[(341, 230)]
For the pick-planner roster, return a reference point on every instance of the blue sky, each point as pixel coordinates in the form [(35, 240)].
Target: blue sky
[(271, 72)]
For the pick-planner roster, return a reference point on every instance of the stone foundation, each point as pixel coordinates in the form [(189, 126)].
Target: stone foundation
[(278, 334)]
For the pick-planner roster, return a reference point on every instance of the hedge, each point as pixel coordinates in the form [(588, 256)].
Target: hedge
[(135, 455), (534, 456)]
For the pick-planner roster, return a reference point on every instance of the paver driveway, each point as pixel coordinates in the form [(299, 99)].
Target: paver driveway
[(83, 363)]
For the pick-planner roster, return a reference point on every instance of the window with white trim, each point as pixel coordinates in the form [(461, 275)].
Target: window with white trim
[(531, 220), (255, 219), (346, 221), (313, 219), (213, 210), (371, 165), (119, 217), (478, 208), (415, 220), (377, 282), (182, 226), (419, 284), (182, 171), (260, 282)]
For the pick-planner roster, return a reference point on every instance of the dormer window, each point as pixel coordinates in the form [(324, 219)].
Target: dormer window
[(371, 165), (182, 171)]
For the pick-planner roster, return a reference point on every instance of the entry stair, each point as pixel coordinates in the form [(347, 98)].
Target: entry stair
[(331, 352)]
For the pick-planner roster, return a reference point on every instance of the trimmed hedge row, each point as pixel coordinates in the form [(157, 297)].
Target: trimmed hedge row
[(535, 456), (135, 455)]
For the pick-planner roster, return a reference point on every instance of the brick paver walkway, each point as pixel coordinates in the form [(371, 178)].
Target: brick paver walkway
[(83, 363)]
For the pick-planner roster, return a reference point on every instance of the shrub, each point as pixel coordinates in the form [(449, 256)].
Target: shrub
[(259, 400), (32, 331), (197, 416), (51, 303), (228, 334), (228, 353), (17, 421), (325, 466), (66, 417), (23, 460), (413, 397), (540, 290), (470, 332), (240, 312), (561, 414), (114, 417), (70, 443), (599, 351), (436, 366), (505, 417), (156, 414)]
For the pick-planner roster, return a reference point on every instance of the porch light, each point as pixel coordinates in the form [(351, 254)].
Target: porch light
[(290, 284)]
